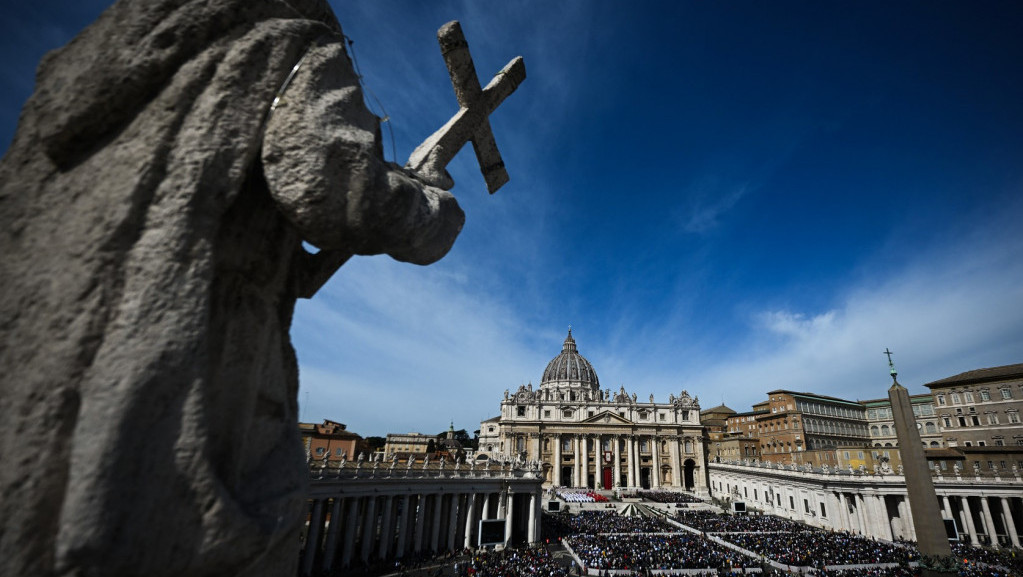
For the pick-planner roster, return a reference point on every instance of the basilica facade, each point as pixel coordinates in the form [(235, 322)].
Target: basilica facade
[(584, 436)]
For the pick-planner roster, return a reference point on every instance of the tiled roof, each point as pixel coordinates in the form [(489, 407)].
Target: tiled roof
[(981, 375)]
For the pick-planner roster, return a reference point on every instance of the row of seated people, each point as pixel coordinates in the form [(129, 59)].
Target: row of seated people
[(711, 522), (822, 548), (661, 552), (598, 522), (668, 497), (570, 496)]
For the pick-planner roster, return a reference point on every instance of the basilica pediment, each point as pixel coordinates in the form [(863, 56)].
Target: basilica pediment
[(607, 418)]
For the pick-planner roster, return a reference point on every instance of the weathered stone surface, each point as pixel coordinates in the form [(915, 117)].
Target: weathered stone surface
[(152, 255)]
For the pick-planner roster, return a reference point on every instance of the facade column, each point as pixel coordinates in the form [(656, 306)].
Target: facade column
[(630, 457), (510, 499), (598, 464), (386, 530), (947, 506), (537, 447), (312, 542), (350, 522), (1010, 524), (369, 526), (406, 501), (438, 510), (843, 516), (989, 522), (330, 549), (676, 463), (969, 521), (655, 469), (584, 465), (576, 475), (417, 541), (470, 519), (617, 471), (556, 472)]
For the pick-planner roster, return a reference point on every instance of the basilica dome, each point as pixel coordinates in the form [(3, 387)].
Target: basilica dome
[(570, 368)]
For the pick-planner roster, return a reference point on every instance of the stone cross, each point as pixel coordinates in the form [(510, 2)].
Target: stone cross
[(471, 122)]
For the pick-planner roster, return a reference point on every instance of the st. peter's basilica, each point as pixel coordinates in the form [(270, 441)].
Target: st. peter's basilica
[(587, 437)]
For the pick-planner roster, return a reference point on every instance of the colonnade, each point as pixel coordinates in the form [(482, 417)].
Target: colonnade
[(986, 512), (361, 520)]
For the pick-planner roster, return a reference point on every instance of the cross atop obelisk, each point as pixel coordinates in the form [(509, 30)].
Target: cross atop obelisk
[(472, 121), (891, 365)]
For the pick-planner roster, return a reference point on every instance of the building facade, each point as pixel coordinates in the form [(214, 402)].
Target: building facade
[(331, 440), (583, 436), (981, 408)]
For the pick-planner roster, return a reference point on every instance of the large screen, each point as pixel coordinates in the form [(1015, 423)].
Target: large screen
[(554, 506), (738, 507), (491, 532)]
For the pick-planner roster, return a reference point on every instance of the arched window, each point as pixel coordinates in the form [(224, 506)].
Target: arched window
[(930, 428), (874, 430), (689, 446), (935, 444), (885, 431)]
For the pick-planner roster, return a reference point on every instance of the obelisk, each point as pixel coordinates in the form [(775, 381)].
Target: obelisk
[(923, 501)]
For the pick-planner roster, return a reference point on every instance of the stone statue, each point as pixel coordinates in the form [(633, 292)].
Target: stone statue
[(153, 207)]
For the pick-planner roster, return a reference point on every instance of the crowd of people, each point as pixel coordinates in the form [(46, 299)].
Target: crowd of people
[(524, 562), (1000, 563), (669, 497), (666, 552), (598, 522), (711, 522), (819, 548)]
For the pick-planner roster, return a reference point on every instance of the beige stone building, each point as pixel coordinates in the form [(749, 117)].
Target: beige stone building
[(587, 437)]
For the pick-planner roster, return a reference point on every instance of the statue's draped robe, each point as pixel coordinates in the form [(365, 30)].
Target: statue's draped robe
[(152, 253)]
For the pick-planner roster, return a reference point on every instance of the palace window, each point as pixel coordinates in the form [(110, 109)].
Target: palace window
[(1013, 417), (985, 396), (956, 399), (968, 396), (930, 428), (520, 411), (1006, 393), (941, 400)]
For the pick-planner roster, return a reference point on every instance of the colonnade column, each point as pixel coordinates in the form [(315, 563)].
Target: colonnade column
[(369, 525), (531, 531), (456, 501), (350, 519), (417, 541), (438, 510), (617, 471), (844, 512), (989, 522), (886, 529), (1010, 525), (556, 472), (406, 502), (947, 506), (312, 542), (860, 519), (510, 500), (968, 519), (330, 549), (386, 532), (470, 519), (485, 509), (655, 468)]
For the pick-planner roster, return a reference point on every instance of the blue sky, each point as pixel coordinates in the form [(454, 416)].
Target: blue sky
[(721, 197)]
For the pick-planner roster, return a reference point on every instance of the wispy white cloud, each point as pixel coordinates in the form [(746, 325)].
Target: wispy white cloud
[(709, 201)]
